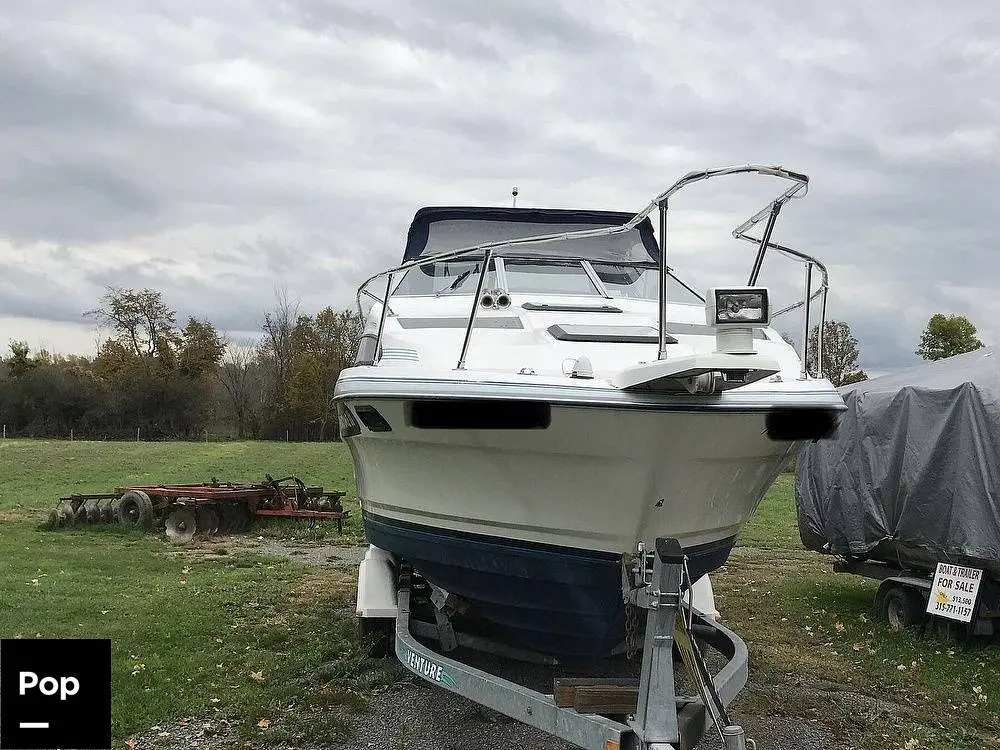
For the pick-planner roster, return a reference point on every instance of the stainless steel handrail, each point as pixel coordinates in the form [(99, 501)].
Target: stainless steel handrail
[(494, 248), (741, 233)]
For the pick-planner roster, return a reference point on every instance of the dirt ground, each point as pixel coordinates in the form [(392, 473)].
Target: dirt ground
[(413, 714)]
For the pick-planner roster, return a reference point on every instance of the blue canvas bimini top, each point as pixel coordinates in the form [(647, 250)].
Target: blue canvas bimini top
[(437, 229)]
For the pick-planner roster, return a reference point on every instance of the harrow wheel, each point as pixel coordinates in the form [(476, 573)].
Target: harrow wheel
[(181, 526), (135, 510), (207, 520)]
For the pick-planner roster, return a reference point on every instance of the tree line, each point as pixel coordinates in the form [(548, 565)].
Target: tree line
[(944, 336), (158, 380)]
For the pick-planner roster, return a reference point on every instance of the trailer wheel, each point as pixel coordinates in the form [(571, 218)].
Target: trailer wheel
[(377, 636), (901, 607), (135, 510)]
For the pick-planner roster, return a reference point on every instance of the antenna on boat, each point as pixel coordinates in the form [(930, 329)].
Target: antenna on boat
[(514, 194)]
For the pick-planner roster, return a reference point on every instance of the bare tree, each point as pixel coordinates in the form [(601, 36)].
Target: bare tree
[(236, 373), (276, 349), (141, 320)]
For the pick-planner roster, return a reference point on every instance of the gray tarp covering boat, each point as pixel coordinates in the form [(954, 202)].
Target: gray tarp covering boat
[(912, 475)]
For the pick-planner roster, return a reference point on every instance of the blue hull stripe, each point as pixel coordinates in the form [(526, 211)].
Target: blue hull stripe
[(557, 600)]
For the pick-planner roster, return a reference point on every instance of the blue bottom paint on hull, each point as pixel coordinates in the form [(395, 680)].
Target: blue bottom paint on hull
[(555, 600)]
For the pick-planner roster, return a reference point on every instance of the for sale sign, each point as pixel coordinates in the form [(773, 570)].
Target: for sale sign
[(954, 592)]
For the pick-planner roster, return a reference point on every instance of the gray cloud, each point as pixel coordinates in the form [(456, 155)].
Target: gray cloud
[(215, 152)]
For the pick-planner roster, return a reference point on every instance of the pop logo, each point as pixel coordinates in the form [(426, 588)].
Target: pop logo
[(49, 686)]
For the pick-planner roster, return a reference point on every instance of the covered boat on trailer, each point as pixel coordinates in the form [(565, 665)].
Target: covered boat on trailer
[(911, 477)]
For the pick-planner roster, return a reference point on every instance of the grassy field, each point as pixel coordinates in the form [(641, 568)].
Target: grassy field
[(227, 637), (818, 651)]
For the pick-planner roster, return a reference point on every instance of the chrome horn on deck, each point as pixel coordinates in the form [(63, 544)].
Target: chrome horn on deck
[(495, 299)]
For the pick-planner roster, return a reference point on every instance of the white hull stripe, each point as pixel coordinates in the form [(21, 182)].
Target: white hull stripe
[(396, 512), (404, 388)]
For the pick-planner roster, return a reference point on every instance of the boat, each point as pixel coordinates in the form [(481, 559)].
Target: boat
[(908, 479), (538, 396)]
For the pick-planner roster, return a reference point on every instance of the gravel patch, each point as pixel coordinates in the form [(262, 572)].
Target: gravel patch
[(317, 555), (186, 734)]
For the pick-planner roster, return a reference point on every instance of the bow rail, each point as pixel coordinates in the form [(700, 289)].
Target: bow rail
[(487, 251)]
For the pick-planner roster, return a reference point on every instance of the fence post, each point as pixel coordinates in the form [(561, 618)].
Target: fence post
[(71, 434), (137, 434)]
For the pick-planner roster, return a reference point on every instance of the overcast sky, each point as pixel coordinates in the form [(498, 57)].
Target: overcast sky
[(216, 150)]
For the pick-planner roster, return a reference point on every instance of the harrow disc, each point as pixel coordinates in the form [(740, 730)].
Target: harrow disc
[(207, 520), (241, 516), (94, 513), (53, 521), (181, 526), (65, 512), (226, 518)]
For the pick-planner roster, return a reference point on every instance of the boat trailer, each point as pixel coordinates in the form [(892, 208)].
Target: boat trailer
[(208, 508), (582, 711)]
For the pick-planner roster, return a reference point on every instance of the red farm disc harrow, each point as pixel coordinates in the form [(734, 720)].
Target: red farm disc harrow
[(207, 509)]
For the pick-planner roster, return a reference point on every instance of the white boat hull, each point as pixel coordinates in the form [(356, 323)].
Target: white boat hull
[(598, 478)]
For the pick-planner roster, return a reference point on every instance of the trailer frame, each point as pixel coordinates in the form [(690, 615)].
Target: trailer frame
[(901, 588), (661, 720)]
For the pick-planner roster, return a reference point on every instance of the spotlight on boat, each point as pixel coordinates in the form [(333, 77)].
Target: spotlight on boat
[(503, 301), (487, 300), (734, 313)]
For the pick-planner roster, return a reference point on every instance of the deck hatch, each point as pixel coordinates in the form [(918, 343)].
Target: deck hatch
[(481, 322), (554, 307), (607, 334)]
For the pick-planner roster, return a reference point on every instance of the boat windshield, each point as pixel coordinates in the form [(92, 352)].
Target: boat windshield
[(540, 277), (446, 277), (629, 281)]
